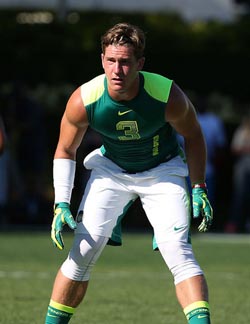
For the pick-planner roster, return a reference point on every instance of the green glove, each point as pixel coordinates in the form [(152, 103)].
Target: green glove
[(202, 207), (62, 216)]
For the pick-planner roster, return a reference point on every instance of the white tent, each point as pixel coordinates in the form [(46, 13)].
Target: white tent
[(224, 10)]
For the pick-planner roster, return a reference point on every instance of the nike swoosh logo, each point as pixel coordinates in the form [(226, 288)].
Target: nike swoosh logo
[(178, 228), (202, 316), (121, 113)]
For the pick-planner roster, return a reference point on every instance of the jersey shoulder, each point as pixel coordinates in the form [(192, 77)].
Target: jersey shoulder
[(92, 90), (157, 86)]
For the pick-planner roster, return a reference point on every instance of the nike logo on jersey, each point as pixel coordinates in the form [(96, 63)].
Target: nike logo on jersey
[(121, 113)]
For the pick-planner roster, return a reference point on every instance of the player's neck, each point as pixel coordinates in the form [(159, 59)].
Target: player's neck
[(125, 94)]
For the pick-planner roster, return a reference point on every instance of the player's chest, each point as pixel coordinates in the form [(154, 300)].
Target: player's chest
[(112, 119)]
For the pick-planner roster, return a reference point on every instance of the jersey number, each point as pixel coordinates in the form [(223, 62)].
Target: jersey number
[(130, 129), (131, 132)]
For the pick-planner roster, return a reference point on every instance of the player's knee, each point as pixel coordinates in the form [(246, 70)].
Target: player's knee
[(83, 255), (180, 260)]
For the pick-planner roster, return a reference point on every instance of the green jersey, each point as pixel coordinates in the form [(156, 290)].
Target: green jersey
[(135, 134)]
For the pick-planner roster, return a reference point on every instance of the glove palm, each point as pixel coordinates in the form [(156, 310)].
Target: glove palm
[(202, 207), (62, 216)]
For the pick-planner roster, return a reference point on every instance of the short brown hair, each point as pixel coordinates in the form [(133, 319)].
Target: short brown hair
[(125, 34)]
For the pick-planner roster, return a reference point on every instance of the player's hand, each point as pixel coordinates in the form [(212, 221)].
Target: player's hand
[(202, 207), (62, 216)]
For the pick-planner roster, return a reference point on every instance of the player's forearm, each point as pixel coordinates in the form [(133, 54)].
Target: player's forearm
[(195, 149), (63, 179), (62, 153), (66, 149)]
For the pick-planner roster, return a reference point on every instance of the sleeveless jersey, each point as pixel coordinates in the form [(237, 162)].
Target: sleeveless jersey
[(135, 134)]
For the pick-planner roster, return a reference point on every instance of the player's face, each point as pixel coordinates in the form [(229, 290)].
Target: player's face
[(121, 68)]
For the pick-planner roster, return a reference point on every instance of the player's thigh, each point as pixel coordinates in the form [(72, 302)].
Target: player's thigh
[(167, 207), (103, 202)]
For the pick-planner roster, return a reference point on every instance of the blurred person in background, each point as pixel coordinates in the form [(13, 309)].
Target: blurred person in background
[(137, 114), (215, 136), (217, 144), (239, 219)]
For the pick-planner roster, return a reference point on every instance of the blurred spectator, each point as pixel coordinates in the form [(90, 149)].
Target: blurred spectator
[(240, 146), (216, 141), (215, 137)]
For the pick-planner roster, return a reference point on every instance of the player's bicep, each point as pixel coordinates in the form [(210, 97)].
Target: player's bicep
[(180, 113), (73, 127), (75, 113)]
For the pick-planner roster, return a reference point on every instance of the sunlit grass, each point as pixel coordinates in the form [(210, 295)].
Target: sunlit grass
[(129, 284)]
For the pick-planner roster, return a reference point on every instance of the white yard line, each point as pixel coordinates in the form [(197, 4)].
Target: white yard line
[(222, 238), (24, 274)]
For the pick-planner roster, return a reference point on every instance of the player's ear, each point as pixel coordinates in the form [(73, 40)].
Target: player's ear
[(102, 59), (141, 62)]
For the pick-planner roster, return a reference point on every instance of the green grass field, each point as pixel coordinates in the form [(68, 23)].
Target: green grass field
[(129, 285)]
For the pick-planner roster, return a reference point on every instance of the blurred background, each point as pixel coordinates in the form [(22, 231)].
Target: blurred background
[(49, 48)]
